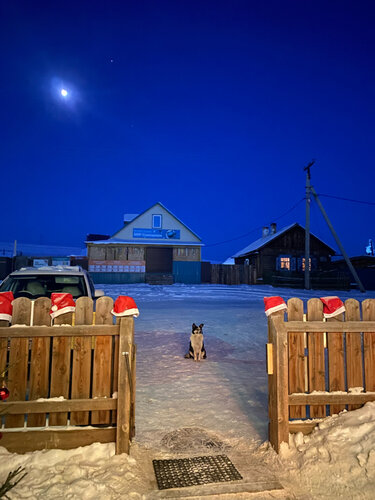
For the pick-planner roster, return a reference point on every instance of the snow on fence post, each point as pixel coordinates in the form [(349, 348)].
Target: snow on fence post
[(125, 389), (278, 381)]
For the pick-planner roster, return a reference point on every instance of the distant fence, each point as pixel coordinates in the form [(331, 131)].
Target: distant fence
[(229, 274), (66, 375), (315, 367)]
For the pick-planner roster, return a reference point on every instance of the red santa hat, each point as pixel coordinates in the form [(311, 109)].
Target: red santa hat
[(273, 304), (332, 306), (6, 308), (61, 303), (125, 306)]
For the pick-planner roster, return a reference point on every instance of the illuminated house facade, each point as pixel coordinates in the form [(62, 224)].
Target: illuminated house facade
[(152, 247), (281, 253)]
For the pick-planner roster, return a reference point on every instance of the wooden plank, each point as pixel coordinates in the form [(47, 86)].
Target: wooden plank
[(315, 359), (134, 380), (336, 367), (330, 398), (22, 442), (115, 343), (81, 369), (60, 368), (278, 396), (18, 358), (39, 362), (34, 407), (304, 427), (368, 314), (296, 348), (102, 367), (354, 366), (126, 341), (3, 353), (58, 331), (319, 326), (67, 331), (271, 378)]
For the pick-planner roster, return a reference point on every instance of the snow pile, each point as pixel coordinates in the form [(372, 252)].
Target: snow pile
[(83, 473), (337, 460)]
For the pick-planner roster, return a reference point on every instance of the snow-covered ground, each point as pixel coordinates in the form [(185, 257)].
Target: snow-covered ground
[(184, 407)]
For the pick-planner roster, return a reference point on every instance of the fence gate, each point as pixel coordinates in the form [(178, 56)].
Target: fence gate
[(318, 367), (78, 373)]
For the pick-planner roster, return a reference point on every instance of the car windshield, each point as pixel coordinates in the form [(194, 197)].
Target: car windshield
[(34, 286)]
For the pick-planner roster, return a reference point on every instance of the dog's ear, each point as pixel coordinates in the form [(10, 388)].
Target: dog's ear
[(194, 326), (201, 325)]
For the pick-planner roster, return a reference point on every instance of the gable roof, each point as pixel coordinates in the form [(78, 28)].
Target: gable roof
[(166, 209), (263, 241)]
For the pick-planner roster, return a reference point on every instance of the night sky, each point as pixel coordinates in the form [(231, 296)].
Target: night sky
[(212, 108)]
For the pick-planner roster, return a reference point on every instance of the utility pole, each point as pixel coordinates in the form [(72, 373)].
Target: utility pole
[(307, 225), (345, 255)]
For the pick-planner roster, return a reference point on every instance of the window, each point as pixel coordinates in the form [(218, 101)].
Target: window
[(156, 221), (285, 263), (303, 264)]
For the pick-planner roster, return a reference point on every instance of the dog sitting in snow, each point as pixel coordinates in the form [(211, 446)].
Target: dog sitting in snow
[(196, 346)]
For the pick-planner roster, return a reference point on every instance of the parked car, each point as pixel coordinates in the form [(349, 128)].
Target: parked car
[(34, 282)]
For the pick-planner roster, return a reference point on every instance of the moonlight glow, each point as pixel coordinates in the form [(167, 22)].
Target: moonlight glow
[(64, 92)]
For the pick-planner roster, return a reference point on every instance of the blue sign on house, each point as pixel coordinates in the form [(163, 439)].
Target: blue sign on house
[(167, 234)]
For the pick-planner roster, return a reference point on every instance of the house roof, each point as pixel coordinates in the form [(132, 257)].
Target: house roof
[(263, 241), (165, 208), (119, 241)]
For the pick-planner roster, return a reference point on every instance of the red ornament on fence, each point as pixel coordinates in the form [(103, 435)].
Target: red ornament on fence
[(4, 393)]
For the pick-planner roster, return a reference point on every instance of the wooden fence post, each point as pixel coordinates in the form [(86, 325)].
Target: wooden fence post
[(296, 355), (278, 382), (126, 345)]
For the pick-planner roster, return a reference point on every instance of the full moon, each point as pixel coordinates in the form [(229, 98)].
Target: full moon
[(64, 92)]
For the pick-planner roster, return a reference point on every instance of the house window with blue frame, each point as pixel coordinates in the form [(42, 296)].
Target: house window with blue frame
[(312, 264), (156, 221), (285, 263)]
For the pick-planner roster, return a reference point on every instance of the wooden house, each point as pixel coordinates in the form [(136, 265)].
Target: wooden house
[(152, 247), (279, 256)]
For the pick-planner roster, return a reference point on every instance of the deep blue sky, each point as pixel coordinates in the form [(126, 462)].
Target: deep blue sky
[(211, 107)]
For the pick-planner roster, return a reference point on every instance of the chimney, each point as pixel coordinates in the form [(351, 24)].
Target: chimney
[(273, 228), (265, 231), (128, 218)]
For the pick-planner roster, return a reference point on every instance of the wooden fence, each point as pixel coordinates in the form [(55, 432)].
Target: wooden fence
[(63, 379), (316, 367), (231, 274)]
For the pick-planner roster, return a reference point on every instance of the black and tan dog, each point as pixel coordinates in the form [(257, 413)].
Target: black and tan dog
[(196, 346)]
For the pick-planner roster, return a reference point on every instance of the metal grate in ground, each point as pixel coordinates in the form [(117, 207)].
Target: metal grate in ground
[(183, 472)]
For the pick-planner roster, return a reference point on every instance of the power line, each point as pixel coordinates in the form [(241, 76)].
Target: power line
[(256, 228), (347, 199)]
